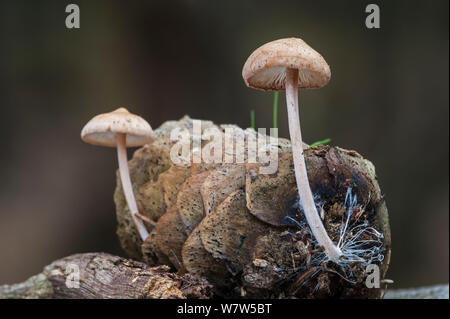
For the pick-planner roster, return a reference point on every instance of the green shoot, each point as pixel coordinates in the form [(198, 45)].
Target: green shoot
[(322, 142), (275, 110), (252, 119)]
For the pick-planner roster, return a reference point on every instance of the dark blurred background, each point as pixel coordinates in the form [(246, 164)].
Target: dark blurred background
[(388, 99)]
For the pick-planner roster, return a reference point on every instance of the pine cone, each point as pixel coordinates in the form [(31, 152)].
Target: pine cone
[(244, 231)]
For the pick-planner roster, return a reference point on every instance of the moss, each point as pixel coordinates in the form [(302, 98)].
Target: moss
[(36, 287)]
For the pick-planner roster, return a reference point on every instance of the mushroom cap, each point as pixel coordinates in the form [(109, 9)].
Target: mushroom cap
[(101, 129), (265, 68)]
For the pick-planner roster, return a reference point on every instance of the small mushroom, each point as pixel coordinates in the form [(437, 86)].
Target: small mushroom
[(290, 64), (121, 129)]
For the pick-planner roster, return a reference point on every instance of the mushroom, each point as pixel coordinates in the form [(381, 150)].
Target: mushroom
[(290, 64), (121, 129)]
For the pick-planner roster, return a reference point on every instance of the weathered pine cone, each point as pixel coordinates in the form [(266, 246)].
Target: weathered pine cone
[(245, 231)]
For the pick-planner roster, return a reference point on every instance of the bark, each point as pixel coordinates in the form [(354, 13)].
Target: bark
[(429, 292), (107, 276)]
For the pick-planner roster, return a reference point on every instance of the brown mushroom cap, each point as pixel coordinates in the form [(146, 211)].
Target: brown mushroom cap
[(101, 130), (265, 69)]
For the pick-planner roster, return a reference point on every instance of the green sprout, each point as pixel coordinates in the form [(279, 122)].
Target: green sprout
[(252, 119), (322, 142), (275, 111)]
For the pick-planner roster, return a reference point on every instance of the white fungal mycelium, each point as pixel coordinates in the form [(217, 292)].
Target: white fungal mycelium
[(361, 244)]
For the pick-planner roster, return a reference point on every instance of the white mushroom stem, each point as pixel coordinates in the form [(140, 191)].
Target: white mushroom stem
[(304, 191), (126, 184)]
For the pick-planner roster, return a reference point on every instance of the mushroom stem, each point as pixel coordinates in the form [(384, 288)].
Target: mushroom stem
[(126, 184), (304, 191)]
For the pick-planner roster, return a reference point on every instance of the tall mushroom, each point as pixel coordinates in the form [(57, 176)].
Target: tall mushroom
[(290, 64), (121, 129)]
